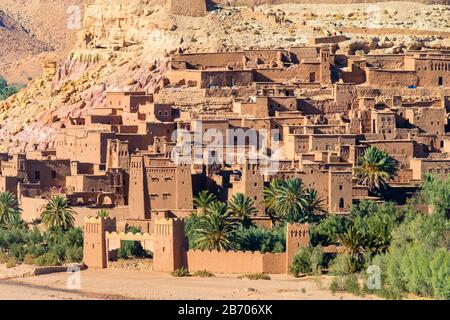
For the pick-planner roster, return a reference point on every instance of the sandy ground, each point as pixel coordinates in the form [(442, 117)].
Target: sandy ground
[(124, 284)]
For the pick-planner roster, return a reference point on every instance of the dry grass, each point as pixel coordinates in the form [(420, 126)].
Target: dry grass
[(256, 276)]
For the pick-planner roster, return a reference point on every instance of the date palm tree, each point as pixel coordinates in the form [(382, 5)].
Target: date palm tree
[(204, 200), (375, 169), (353, 241), (242, 207), (291, 202), (270, 197), (313, 203), (58, 213), (214, 229), (9, 208)]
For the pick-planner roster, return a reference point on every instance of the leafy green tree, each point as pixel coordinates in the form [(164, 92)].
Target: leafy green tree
[(204, 200), (9, 209), (215, 230), (58, 213), (431, 231), (440, 274), (436, 193), (328, 229), (376, 222), (242, 208), (375, 169), (261, 239)]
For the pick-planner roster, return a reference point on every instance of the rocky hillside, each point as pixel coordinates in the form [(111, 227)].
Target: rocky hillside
[(35, 28), (16, 42), (125, 44)]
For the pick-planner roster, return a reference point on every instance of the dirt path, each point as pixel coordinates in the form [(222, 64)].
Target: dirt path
[(121, 284)]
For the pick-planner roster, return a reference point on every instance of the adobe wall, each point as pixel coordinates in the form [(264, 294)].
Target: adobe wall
[(439, 168), (387, 78), (31, 208), (211, 59), (236, 262), (305, 72), (228, 78), (8, 184)]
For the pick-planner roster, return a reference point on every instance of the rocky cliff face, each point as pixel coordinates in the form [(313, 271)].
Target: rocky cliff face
[(125, 45)]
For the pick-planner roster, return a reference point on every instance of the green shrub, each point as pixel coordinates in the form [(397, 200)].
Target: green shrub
[(341, 265), (348, 283), (74, 254), (181, 272), (307, 261), (256, 276), (17, 251), (351, 284), (416, 269), (35, 250), (6, 90), (203, 274), (440, 274), (48, 259)]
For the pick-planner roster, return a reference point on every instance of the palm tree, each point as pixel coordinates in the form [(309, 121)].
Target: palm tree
[(9, 208), (313, 203), (204, 200), (290, 201), (58, 213), (270, 195), (214, 229), (375, 169), (242, 207), (354, 242)]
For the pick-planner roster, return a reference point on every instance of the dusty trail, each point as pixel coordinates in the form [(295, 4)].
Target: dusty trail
[(126, 284)]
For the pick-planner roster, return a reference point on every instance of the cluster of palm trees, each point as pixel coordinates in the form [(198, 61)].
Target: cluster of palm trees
[(290, 201), (216, 222), (56, 213), (286, 200)]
